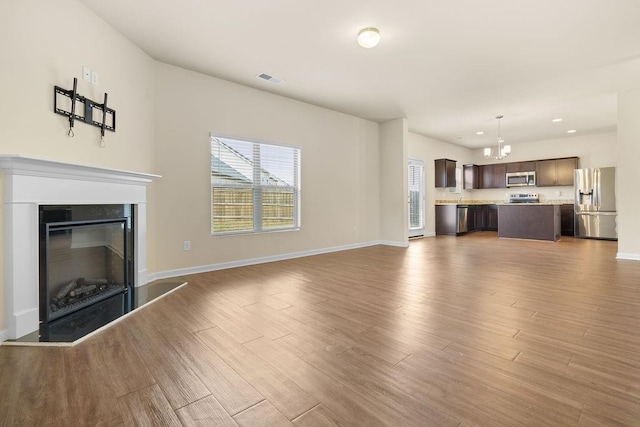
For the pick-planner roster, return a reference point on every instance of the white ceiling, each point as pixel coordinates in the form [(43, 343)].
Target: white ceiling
[(448, 66)]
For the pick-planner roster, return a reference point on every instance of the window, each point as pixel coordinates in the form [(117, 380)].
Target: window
[(255, 187)]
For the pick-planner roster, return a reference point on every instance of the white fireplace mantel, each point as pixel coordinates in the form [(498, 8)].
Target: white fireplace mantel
[(28, 183)]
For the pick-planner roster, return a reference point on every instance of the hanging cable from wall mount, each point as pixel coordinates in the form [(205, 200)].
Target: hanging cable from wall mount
[(104, 122), (72, 116)]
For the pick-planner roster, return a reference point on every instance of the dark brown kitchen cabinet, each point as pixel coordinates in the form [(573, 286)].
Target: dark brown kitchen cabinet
[(564, 170), (555, 172), (493, 175), (446, 220), (470, 177), (545, 173), (500, 176), (521, 167), (491, 218), (475, 218), (445, 175), (566, 220), (478, 218)]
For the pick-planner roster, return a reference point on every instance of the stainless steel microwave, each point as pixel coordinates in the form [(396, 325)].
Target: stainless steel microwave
[(521, 179)]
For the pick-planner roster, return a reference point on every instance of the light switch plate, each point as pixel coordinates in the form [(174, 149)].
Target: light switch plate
[(86, 74)]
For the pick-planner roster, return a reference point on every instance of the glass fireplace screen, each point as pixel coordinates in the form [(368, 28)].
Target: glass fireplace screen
[(85, 263)]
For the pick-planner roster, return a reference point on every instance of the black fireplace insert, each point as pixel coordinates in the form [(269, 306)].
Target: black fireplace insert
[(85, 260)]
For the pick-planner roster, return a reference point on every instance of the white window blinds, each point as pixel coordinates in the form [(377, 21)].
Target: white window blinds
[(254, 186)]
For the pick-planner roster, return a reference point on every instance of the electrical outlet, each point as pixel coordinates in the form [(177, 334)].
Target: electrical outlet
[(95, 78), (186, 245), (86, 73)]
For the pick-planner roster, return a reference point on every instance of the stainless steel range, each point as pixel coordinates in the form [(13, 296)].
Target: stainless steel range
[(524, 198)]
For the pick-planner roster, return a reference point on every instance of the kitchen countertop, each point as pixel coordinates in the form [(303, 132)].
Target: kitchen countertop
[(501, 202), (468, 202)]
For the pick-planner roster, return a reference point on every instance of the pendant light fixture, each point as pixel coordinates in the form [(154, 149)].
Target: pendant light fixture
[(502, 151)]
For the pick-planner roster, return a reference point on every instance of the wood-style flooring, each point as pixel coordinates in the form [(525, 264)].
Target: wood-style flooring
[(473, 331)]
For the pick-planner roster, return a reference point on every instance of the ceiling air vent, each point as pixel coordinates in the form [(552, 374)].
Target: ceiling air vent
[(270, 79)]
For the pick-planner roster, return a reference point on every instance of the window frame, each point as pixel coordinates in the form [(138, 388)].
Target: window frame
[(258, 190)]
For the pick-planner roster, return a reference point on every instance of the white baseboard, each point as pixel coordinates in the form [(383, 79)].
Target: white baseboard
[(142, 277), (253, 261), (4, 335), (420, 236), (632, 257), (392, 243)]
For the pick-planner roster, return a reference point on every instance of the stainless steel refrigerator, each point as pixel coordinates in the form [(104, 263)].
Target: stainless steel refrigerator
[(595, 203)]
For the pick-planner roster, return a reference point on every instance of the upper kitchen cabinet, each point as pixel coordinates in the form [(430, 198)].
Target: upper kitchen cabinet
[(493, 175), (471, 177), (555, 172), (521, 167), (445, 173), (564, 170)]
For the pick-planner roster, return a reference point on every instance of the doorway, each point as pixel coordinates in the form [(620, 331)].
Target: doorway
[(416, 198)]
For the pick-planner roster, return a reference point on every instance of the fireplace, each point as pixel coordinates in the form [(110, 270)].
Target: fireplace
[(70, 195), (85, 258)]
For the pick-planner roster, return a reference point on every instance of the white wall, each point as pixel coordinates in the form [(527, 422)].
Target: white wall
[(394, 217), (628, 174), (340, 171), (46, 43)]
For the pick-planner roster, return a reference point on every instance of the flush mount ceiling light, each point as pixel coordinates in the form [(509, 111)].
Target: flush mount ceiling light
[(572, 131), (502, 151), (368, 37), (558, 120)]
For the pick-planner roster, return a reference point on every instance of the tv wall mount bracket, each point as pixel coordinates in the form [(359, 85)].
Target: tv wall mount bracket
[(88, 107)]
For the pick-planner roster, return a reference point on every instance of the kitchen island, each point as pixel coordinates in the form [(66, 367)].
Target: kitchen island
[(529, 221)]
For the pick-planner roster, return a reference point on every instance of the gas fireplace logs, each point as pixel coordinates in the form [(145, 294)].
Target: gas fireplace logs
[(97, 282), (82, 290), (65, 290), (76, 290)]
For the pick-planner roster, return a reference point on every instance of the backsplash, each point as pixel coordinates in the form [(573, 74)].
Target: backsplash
[(552, 195)]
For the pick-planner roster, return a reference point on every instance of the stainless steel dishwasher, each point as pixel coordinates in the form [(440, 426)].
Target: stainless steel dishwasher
[(462, 214)]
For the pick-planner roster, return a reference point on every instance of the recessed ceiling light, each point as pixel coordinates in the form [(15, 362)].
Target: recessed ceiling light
[(459, 137), (571, 131), (558, 120), (368, 37), (480, 132)]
